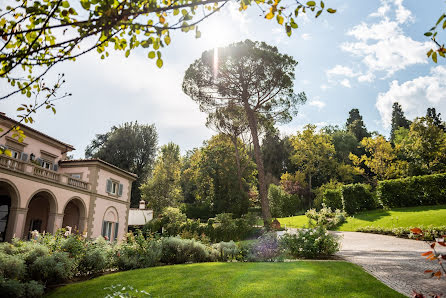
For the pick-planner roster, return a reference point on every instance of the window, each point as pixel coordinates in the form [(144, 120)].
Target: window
[(114, 187), (76, 176), (47, 165), (110, 230)]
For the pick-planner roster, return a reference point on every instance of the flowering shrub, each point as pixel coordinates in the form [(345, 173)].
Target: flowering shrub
[(429, 233), (265, 249), (326, 217), (310, 243)]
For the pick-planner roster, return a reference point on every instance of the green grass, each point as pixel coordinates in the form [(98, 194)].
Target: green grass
[(398, 217), (302, 278)]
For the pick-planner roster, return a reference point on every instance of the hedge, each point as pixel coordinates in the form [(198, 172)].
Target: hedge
[(333, 198), (357, 197), (413, 191)]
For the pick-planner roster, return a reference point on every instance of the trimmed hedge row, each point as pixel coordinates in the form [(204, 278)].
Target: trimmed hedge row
[(357, 197), (413, 191)]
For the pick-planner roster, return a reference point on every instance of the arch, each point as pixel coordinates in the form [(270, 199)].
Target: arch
[(110, 223), (74, 214), (9, 202), (42, 209), (15, 201), (49, 194)]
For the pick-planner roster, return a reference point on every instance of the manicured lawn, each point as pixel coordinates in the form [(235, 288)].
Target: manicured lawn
[(302, 278), (398, 217)]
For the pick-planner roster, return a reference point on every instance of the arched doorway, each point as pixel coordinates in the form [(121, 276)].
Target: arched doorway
[(74, 215), (38, 218), (8, 201)]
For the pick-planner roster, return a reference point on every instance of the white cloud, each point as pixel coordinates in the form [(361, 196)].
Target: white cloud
[(306, 36), (382, 46), (345, 83), (316, 102), (414, 96), (340, 70)]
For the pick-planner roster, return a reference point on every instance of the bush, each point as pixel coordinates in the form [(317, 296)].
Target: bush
[(333, 198), (310, 243), (12, 266), (15, 288), (283, 204), (357, 197), (413, 191), (97, 257), (52, 269), (326, 217), (319, 193), (265, 249), (137, 252), (429, 233), (226, 251), (179, 251)]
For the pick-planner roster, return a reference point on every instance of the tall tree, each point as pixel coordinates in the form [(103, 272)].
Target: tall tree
[(275, 154), (314, 154), (432, 113), (398, 120), (356, 125), (230, 121), (213, 173), (253, 76), (163, 189), (131, 147)]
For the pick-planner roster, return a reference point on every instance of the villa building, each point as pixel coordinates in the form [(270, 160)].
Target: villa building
[(40, 189)]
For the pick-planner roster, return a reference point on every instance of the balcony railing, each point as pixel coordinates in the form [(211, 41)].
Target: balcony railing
[(37, 171)]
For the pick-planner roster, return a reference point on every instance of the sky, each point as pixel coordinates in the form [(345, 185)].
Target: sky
[(367, 56)]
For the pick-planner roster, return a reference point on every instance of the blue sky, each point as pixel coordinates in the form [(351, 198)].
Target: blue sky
[(366, 56)]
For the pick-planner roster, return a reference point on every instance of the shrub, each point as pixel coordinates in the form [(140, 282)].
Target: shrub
[(430, 232), (179, 251), (137, 252), (12, 266), (226, 250), (333, 198), (97, 257), (357, 197), (310, 243), (52, 269), (282, 203), (326, 217), (265, 249), (413, 191), (319, 193)]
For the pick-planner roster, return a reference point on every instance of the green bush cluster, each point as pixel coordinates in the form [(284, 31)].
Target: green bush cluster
[(221, 228), (310, 243), (137, 252), (357, 197), (283, 204), (179, 251), (413, 191), (326, 217), (429, 233), (333, 198)]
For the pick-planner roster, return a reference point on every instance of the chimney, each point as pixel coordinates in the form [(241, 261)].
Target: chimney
[(142, 205)]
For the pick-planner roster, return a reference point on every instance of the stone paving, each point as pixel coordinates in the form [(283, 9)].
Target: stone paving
[(394, 261)]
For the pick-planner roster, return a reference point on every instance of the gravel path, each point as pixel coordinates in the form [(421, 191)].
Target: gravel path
[(394, 261)]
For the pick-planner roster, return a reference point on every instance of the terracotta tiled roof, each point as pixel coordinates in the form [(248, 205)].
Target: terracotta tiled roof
[(66, 161), (3, 116)]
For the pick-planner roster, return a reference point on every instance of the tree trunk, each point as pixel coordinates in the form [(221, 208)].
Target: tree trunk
[(237, 159), (252, 121), (309, 191)]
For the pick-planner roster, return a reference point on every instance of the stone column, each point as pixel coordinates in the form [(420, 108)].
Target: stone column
[(55, 221), (16, 223)]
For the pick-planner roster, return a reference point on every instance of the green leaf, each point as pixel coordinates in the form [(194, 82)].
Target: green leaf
[(311, 3), (322, 4), (167, 39), (127, 53), (197, 34), (54, 110), (331, 10), (444, 25), (65, 4), (430, 53), (279, 19), (85, 4), (434, 57), (318, 13), (151, 54), (428, 34), (159, 63)]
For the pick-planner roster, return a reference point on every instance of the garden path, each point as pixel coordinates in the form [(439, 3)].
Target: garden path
[(395, 261)]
